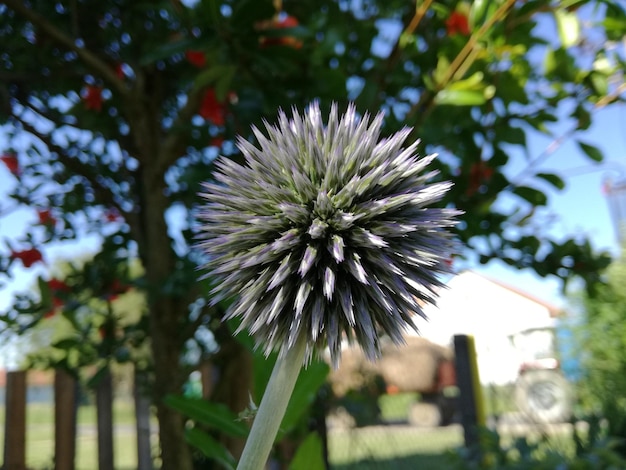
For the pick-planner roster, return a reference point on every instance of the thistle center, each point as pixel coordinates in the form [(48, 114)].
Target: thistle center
[(318, 229)]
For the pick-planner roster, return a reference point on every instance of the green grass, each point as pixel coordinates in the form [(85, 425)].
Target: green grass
[(392, 447), (376, 447), (396, 407)]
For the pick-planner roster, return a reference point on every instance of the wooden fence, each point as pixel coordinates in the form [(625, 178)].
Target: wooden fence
[(65, 407)]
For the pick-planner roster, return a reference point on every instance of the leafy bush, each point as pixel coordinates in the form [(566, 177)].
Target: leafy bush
[(592, 449)]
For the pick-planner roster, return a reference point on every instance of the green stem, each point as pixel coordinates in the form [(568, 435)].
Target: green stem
[(272, 408)]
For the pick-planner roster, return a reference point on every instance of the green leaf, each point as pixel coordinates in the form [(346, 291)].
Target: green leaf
[(460, 98), (591, 151), (215, 415), (513, 135), (583, 117), (210, 447), (67, 343), (212, 75), (532, 195), (549, 61), (443, 64), (309, 455), (167, 50), (553, 179), (224, 83), (600, 83), (474, 82), (478, 12), (309, 381), (44, 290), (568, 27)]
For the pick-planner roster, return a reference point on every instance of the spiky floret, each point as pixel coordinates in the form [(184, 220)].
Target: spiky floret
[(325, 231)]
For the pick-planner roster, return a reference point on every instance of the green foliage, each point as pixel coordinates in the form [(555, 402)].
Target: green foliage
[(309, 455), (595, 451), (215, 415), (602, 338), (210, 417)]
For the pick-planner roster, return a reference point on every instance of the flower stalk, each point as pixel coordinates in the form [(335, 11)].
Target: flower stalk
[(272, 408)]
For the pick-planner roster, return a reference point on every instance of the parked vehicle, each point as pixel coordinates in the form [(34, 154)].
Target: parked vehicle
[(420, 366), (542, 392)]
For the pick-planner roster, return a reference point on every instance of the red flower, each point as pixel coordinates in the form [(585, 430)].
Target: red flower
[(27, 257), (58, 286), (11, 162), (115, 289), (119, 70), (457, 24), (45, 218), (111, 215), (217, 141), (480, 173), (92, 97), (196, 58), (211, 109), (287, 22)]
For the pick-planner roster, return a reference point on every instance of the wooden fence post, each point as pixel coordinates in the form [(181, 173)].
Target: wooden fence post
[(104, 412), (142, 416), (15, 421), (64, 421)]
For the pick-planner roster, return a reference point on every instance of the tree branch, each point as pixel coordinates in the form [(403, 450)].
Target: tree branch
[(88, 57), (102, 193), (459, 65), (175, 138)]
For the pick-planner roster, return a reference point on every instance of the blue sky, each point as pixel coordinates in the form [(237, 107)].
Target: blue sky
[(581, 208)]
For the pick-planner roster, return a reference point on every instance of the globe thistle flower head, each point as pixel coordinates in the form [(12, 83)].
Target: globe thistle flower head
[(326, 232)]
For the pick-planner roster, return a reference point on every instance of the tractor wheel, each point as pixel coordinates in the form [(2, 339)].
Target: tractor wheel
[(544, 396)]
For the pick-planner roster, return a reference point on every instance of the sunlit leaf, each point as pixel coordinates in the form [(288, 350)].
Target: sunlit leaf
[(460, 98), (567, 26)]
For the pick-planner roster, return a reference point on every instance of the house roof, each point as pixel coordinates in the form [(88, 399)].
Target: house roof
[(553, 310)]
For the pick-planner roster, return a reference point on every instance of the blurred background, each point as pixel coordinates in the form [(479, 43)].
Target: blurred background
[(113, 112)]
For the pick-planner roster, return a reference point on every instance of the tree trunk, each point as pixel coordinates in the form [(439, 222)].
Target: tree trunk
[(166, 351), (167, 310)]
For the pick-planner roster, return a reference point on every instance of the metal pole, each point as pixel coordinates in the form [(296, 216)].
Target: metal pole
[(616, 197)]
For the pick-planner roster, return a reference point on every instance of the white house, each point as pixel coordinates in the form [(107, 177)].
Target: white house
[(491, 311)]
